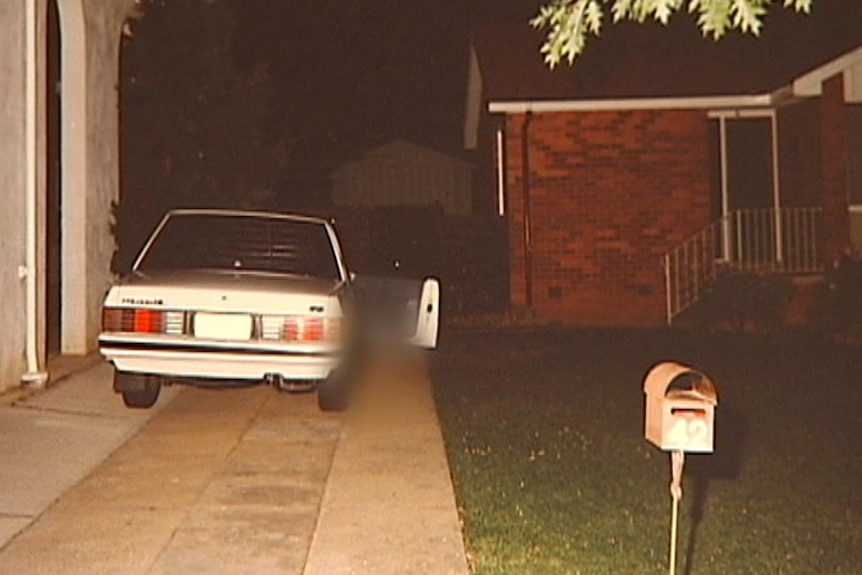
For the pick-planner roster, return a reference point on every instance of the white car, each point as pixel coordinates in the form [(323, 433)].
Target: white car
[(222, 297)]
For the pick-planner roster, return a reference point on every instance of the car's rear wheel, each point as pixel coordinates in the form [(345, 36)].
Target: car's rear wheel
[(334, 393), (139, 391)]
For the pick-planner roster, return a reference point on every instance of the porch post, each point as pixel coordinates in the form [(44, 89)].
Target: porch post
[(725, 198), (776, 191)]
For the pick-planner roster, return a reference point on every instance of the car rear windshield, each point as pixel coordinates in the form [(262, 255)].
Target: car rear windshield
[(242, 242)]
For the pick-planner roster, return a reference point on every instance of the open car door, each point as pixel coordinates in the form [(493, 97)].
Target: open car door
[(399, 310), (428, 315)]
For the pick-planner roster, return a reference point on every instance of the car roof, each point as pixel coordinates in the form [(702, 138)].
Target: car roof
[(245, 213)]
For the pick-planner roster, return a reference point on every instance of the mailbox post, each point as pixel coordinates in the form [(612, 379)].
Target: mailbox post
[(679, 417)]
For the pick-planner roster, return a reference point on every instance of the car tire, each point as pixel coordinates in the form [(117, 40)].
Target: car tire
[(139, 391), (333, 394)]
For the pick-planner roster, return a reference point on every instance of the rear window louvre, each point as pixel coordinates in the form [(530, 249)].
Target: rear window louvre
[(242, 242)]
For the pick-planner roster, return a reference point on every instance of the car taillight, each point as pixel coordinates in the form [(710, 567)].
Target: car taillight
[(142, 320), (299, 328), (148, 321), (112, 319)]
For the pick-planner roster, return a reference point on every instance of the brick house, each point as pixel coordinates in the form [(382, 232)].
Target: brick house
[(628, 178)]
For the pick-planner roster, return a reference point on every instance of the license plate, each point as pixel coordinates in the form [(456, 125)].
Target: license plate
[(232, 326)]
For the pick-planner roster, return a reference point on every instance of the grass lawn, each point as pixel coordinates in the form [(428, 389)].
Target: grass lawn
[(544, 433)]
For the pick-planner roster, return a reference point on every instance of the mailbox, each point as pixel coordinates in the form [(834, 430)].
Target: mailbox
[(680, 408)]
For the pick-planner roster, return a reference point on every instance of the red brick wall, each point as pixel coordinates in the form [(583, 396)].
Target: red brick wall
[(800, 176), (609, 193), (834, 159)]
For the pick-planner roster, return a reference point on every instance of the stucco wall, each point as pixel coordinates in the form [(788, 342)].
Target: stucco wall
[(12, 181), (104, 23), (90, 34)]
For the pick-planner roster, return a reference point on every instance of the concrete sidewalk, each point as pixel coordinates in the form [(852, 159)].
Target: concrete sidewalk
[(389, 505), (386, 507), (51, 440)]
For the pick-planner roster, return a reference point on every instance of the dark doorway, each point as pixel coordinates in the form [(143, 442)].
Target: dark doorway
[(751, 190), (749, 163), (743, 182), (53, 210)]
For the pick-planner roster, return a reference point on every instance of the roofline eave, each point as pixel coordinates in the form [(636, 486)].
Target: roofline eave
[(810, 84), (669, 103)]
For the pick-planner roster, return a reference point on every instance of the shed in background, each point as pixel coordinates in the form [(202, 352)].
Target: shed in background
[(402, 173)]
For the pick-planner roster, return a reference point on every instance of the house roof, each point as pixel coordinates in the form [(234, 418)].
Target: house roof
[(632, 61), (398, 150)]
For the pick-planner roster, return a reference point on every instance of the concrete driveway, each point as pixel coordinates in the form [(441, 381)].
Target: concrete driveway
[(238, 481)]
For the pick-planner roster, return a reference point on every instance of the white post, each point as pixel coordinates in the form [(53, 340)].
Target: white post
[(776, 191), (501, 175), (33, 376), (725, 199), (677, 461)]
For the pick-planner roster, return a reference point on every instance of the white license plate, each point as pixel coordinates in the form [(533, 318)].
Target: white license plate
[(233, 326)]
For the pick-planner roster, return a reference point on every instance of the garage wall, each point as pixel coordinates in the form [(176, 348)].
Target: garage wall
[(90, 31), (12, 181), (90, 163)]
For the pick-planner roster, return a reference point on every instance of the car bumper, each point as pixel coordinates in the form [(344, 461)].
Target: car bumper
[(207, 360)]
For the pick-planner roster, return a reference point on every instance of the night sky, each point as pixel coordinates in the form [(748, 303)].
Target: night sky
[(198, 127), (359, 72), (349, 73), (342, 76)]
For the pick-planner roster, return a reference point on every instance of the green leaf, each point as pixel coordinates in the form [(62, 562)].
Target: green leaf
[(747, 15), (714, 17), (570, 22), (593, 16), (664, 9), (799, 5), (621, 9)]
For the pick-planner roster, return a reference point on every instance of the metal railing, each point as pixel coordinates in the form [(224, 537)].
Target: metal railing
[(780, 240)]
